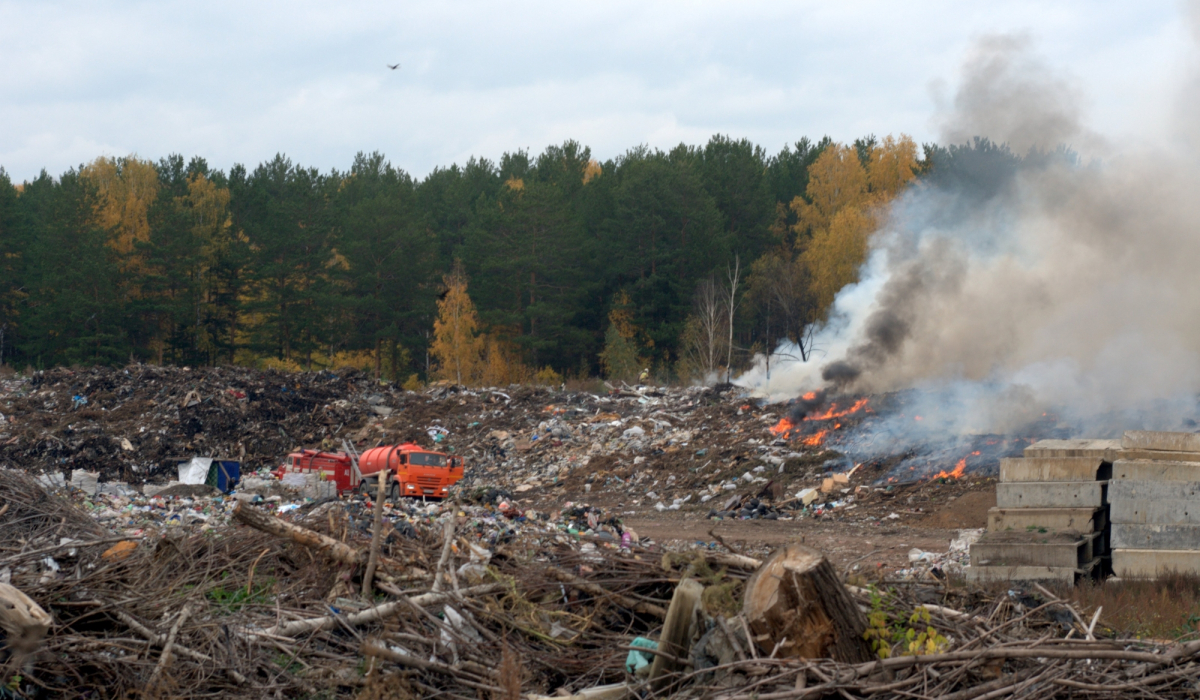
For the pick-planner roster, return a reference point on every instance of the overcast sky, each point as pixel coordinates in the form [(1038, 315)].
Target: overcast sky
[(237, 82)]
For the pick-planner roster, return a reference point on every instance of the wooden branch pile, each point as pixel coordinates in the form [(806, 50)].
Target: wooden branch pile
[(274, 608)]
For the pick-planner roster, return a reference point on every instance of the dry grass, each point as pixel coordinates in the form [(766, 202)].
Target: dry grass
[(1168, 608), (510, 674)]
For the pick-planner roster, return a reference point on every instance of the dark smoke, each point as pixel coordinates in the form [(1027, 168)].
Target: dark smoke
[(1017, 280), (807, 405)]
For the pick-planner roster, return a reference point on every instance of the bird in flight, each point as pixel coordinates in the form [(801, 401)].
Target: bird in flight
[(393, 67)]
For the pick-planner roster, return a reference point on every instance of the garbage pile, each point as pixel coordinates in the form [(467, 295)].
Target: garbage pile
[(654, 447), (127, 424), (321, 601)]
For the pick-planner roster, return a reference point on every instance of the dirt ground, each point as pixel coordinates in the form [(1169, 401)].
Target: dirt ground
[(867, 547)]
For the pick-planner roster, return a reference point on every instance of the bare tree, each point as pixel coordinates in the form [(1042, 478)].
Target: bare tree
[(777, 291), (734, 275), (705, 336)]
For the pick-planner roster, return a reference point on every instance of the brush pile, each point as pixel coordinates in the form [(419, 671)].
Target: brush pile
[(266, 607)]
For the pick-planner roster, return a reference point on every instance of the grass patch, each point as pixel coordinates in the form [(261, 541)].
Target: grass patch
[(1167, 608), (231, 600)]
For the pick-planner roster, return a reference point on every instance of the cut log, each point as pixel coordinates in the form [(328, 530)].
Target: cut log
[(676, 637), (338, 551), (24, 622), (797, 608)]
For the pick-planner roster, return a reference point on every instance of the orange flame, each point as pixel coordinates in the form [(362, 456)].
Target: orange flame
[(834, 413), (785, 426), (959, 470), (816, 438)]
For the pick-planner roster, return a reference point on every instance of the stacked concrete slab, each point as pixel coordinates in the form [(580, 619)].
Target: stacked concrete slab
[(1051, 515), (1155, 496)]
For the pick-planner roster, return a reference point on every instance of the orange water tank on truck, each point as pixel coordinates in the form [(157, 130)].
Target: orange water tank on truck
[(411, 470)]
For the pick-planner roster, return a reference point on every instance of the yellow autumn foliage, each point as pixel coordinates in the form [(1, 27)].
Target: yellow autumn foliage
[(834, 254), (457, 346), (127, 187), (845, 202)]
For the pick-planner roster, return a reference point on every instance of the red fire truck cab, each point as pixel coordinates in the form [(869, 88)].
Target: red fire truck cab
[(411, 469)]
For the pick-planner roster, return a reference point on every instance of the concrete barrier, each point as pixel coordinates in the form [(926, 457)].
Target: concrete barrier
[(1042, 494)]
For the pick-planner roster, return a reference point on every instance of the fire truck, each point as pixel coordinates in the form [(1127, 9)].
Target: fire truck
[(410, 470)]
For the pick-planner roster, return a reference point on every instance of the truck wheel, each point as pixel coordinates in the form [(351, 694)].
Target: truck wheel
[(395, 493), (364, 488)]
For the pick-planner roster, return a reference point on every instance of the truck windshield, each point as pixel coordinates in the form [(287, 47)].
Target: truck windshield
[(426, 459)]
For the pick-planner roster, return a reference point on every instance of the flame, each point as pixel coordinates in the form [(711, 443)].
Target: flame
[(834, 413), (815, 439), (785, 426), (959, 470)]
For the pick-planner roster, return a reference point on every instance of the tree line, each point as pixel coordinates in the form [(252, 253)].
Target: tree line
[(684, 261)]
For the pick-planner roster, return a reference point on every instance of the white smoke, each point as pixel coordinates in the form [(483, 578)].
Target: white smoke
[(1005, 292)]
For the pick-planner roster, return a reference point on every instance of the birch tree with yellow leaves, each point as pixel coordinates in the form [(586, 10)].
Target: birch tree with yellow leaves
[(457, 346), (845, 203)]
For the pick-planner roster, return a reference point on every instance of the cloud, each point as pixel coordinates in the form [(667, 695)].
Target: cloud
[(238, 82)]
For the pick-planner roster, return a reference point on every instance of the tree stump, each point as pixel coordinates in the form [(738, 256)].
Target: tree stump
[(796, 601), (22, 622)]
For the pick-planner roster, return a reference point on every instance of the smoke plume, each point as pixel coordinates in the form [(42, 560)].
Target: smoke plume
[(1019, 277)]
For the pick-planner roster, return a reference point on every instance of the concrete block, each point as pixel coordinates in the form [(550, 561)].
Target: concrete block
[(1152, 563), (992, 574), (1158, 455), (1074, 448), (1153, 440), (1171, 511), (1025, 549), (1179, 537), (1151, 470), (1052, 494), (1082, 520), (1054, 469), (1137, 489)]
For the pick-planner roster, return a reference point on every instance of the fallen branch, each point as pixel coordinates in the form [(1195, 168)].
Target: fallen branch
[(625, 601), (338, 551), (371, 649), (298, 627), (376, 532), (154, 638), (165, 657)]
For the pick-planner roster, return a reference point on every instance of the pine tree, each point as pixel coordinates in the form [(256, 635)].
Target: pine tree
[(457, 347), (620, 355)]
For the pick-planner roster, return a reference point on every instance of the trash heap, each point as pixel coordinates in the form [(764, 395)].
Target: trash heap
[(692, 449), (330, 600), (130, 424)]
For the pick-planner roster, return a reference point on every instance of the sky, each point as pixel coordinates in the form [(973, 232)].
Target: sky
[(238, 82)]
